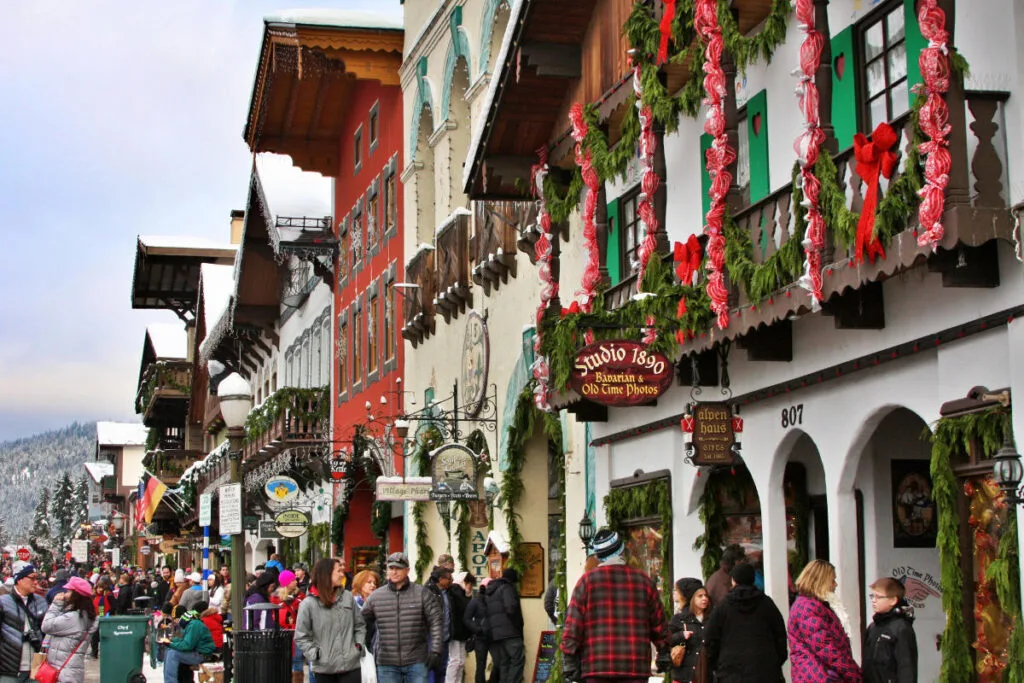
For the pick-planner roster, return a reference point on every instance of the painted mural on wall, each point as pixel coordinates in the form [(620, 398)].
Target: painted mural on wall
[(914, 522)]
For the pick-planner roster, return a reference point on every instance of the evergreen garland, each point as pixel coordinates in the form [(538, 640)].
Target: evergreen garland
[(723, 484), (953, 436), (262, 417), (428, 441), (318, 542), (650, 499)]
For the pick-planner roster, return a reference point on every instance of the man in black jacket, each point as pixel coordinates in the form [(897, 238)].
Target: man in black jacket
[(476, 620), (21, 615), (746, 634), (439, 582), (505, 617)]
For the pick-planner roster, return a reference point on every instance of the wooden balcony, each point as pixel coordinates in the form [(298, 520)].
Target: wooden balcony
[(418, 305), (164, 393), (452, 274), (972, 219), (212, 419), (169, 465), (497, 227), (289, 417)]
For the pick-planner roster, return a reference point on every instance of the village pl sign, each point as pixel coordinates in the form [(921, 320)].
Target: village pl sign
[(620, 373)]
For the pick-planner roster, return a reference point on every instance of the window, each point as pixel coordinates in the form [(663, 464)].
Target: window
[(390, 204), (389, 321), (297, 379), (372, 346), (358, 246), (357, 347), (372, 218), (631, 230), (325, 342), (343, 254), (273, 381), (374, 125), (358, 154), (315, 380), (883, 53), (342, 354)]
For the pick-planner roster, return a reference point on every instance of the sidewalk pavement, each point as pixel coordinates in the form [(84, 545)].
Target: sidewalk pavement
[(92, 671)]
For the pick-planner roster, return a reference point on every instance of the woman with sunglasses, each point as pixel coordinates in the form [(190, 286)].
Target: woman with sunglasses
[(69, 621)]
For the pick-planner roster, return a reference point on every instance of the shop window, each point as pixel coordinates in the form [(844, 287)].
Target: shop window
[(374, 126), (357, 155)]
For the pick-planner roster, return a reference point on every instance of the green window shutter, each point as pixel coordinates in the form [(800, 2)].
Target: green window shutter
[(614, 253), (705, 178), (915, 43), (844, 87), (757, 135)]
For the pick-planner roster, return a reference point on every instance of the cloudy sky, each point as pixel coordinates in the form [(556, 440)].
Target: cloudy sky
[(120, 117)]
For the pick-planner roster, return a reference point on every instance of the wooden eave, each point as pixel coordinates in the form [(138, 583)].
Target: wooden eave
[(304, 83), (257, 282), (167, 277), (530, 109)]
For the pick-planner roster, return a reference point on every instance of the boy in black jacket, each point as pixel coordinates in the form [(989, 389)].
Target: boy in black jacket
[(890, 647)]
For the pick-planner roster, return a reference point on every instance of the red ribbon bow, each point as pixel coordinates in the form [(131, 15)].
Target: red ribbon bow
[(687, 256), (874, 158), (574, 307), (665, 27)]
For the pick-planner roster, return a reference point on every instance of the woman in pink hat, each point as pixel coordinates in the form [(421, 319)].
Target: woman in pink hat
[(69, 622)]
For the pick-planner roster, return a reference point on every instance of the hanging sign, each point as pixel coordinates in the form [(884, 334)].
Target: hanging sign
[(413, 488), (453, 471), (620, 373), (205, 509), (145, 550), (230, 496), (268, 529), (291, 523), (281, 489), (712, 429), (79, 551)]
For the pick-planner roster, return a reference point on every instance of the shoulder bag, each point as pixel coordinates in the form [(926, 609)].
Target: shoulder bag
[(47, 673)]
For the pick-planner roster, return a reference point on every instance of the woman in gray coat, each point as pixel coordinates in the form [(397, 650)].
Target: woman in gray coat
[(329, 628), (69, 622)]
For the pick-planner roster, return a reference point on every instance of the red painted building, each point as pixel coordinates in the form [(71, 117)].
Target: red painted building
[(328, 95)]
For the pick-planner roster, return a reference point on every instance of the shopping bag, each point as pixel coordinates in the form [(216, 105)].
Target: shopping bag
[(37, 661), (369, 669)]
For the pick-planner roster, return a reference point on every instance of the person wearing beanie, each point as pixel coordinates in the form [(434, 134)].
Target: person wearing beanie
[(191, 648), (22, 613), (505, 619), (687, 632), (746, 634), (597, 642)]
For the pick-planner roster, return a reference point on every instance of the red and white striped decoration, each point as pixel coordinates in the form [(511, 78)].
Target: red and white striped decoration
[(808, 147), (719, 156), (649, 181), (592, 270), (548, 287), (934, 121)]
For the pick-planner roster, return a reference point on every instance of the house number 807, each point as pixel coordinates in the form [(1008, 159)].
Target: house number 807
[(792, 416)]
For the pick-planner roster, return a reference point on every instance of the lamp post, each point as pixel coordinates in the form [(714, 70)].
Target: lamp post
[(1007, 470), (235, 404), (586, 531)]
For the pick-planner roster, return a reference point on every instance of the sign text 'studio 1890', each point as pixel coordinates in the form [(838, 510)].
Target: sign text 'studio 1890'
[(620, 372)]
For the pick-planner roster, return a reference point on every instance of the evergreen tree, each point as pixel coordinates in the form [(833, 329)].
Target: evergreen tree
[(41, 522), (82, 501), (4, 539), (62, 512)]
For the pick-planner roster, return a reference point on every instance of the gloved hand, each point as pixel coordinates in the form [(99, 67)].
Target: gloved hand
[(664, 660), (571, 668), (433, 661)]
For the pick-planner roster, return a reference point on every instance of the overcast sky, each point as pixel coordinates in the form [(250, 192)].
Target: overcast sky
[(120, 117)]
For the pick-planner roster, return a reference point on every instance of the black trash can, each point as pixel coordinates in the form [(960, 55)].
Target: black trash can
[(262, 656)]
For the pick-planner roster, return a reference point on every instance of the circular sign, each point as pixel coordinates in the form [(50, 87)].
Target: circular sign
[(145, 550), (291, 523), (281, 489), (620, 373), (24, 554), (476, 351)]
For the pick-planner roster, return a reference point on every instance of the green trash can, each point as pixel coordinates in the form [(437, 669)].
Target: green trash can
[(122, 645)]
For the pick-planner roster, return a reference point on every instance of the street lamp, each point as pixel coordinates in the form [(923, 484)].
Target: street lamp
[(1007, 470), (235, 404), (586, 531)]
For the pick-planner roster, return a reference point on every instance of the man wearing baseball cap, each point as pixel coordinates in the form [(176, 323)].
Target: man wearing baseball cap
[(409, 625), (193, 594), (598, 642), (21, 615)]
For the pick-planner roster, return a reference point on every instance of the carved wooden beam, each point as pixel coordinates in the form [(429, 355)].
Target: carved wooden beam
[(554, 59)]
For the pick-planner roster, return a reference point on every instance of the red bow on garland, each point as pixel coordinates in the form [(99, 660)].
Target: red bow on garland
[(687, 257), (665, 27), (874, 158), (574, 307)]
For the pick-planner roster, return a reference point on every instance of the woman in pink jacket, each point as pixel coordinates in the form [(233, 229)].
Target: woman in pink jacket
[(819, 648)]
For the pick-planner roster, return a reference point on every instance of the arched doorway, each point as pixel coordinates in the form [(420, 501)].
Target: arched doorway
[(803, 487)]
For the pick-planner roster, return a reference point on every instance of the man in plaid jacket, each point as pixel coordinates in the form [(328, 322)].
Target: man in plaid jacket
[(614, 616)]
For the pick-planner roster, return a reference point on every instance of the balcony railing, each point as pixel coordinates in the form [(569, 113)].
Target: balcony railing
[(169, 465), (418, 305), (289, 417), (496, 228), (452, 276), (212, 418), (770, 222), (164, 391)]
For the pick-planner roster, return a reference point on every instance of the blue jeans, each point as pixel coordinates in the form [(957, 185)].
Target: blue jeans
[(412, 673), (174, 658), (297, 661)]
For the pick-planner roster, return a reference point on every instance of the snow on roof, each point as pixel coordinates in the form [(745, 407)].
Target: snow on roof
[(289, 190), (169, 340), (497, 539), (460, 211), (183, 242), (121, 433), (337, 18), (217, 284), (422, 247), (492, 92), (98, 470)]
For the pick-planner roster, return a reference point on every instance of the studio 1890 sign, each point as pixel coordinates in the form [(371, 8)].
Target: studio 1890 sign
[(620, 373)]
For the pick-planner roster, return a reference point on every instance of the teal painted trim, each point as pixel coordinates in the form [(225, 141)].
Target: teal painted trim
[(705, 177), (614, 252), (487, 32), (517, 381), (845, 109), (590, 472), (424, 98), (459, 47), (915, 43), (757, 117)]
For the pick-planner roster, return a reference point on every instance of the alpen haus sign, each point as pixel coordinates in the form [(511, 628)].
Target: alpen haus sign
[(620, 373), (713, 434)]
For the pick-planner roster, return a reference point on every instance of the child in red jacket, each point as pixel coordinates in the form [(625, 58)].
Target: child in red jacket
[(214, 621)]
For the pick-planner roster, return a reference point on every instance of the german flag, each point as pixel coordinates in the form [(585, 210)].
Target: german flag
[(153, 494)]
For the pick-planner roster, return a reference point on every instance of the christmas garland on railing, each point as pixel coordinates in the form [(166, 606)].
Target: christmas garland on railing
[(650, 499), (263, 416), (955, 435)]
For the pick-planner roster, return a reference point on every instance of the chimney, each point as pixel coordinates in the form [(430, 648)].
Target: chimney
[(237, 221)]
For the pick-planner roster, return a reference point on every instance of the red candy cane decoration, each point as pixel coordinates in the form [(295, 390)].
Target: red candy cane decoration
[(808, 147), (934, 121), (548, 287), (649, 182), (592, 269), (719, 156)]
